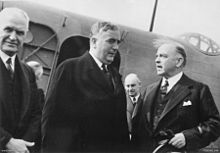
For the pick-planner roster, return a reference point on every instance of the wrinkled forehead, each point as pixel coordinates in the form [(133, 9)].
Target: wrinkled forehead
[(15, 16)]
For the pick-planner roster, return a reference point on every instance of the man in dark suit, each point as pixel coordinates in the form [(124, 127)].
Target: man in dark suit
[(177, 112), (20, 114), (85, 109), (132, 86)]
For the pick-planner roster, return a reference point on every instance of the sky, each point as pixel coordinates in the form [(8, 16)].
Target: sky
[(173, 17)]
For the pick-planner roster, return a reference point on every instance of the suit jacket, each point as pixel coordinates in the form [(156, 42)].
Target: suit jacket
[(190, 105), (27, 125), (82, 112), (132, 111)]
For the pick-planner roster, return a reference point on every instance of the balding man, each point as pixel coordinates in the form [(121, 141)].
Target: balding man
[(20, 113), (179, 114), (38, 69), (132, 86)]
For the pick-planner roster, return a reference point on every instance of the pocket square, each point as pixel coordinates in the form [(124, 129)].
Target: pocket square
[(187, 103)]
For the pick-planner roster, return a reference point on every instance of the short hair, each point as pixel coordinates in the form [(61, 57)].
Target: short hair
[(15, 12), (133, 75), (102, 26), (179, 47), (181, 51)]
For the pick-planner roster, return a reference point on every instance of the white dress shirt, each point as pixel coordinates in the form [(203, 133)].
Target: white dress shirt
[(172, 81), (136, 99)]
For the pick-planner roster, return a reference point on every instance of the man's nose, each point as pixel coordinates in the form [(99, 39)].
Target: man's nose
[(157, 60), (130, 88), (115, 46), (13, 35)]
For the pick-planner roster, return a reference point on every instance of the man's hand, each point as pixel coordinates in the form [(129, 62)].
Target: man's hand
[(178, 140), (18, 145)]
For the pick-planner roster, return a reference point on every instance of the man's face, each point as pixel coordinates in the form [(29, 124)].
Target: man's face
[(106, 45), (132, 86), (12, 34), (166, 60)]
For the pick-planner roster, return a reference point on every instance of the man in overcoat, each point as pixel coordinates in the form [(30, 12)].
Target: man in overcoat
[(132, 86), (20, 113), (178, 113), (85, 109)]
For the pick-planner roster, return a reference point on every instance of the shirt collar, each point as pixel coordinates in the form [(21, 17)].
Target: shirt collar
[(172, 81), (136, 97), (5, 57), (98, 62)]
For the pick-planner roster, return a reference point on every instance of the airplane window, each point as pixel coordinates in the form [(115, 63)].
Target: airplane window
[(203, 43), (194, 41), (204, 46)]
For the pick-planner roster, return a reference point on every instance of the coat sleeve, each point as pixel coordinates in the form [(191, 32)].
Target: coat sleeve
[(33, 130), (208, 129), (56, 117), (4, 137)]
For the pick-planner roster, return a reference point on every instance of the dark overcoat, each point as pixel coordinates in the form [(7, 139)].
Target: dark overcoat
[(190, 105), (25, 124), (82, 112)]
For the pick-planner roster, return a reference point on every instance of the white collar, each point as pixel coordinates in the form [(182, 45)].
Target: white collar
[(98, 62), (5, 57), (136, 97), (172, 81)]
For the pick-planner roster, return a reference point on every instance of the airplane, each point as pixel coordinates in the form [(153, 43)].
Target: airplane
[(56, 35)]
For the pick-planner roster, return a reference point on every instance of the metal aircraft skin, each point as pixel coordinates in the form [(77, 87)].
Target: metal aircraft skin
[(56, 35)]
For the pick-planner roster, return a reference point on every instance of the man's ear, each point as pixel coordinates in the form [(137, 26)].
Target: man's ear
[(179, 62), (139, 84), (93, 42), (93, 39)]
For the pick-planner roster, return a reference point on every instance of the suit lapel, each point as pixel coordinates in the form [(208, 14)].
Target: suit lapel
[(96, 73), (4, 90), (3, 81), (130, 106), (180, 91), (149, 98), (129, 112), (24, 84), (116, 80), (136, 108), (26, 91)]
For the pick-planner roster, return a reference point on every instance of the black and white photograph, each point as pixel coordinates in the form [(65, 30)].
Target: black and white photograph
[(116, 76)]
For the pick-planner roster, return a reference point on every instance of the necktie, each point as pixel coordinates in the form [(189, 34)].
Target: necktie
[(107, 75), (160, 104), (163, 88), (104, 68), (10, 70), (134, 101)]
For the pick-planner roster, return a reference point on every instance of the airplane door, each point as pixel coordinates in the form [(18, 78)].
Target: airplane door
[(73, 47), (76, 46)]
